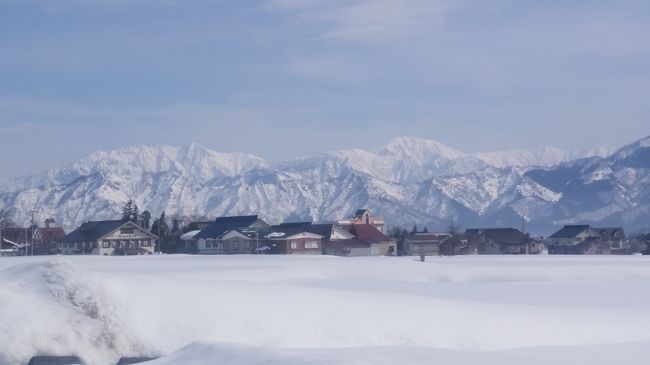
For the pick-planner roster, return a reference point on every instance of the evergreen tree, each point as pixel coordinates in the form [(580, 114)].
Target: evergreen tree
[(145, 219), (399, 234), (415, 229), (130, 212), (176, 225), (425, 230), (160, 227)]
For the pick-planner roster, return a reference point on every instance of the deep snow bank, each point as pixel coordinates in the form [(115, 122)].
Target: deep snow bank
[(56, 308), (337, 309), (204, 353)]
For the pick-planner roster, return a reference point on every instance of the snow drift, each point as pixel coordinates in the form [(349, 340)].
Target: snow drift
[(326, 310), (57, 308)]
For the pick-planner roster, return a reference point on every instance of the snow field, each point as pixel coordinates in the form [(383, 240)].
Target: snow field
[(475, 309)]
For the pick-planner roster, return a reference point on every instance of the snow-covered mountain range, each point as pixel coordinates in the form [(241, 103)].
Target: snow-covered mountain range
[(410, 180)]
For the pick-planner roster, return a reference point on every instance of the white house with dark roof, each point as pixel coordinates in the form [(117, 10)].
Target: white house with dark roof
[(294, 239), (114, 237), (586, 240), (231, 235)]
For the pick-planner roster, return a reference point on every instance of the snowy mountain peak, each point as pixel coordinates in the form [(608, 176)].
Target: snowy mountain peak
[(411, 179), (420, 149), (632, 148), (206, 161)]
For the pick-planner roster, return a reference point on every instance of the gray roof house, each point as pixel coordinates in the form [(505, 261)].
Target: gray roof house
[(231, 235), (112, 237), (499, 241), (586, 240)]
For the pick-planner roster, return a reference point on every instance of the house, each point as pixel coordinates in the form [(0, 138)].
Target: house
[(45, 238), (189, 242), (112, 237), (363, 216), (495, 241), (231, 235), (329, 233), (15, 241), (350, 247), (349, 240), (424, 243), (377, 243), (586, 240), (293, 240)]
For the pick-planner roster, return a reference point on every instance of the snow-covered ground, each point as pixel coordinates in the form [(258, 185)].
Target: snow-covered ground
[(327, 310)]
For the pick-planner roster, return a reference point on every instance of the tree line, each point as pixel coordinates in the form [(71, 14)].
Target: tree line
[(168, 230)]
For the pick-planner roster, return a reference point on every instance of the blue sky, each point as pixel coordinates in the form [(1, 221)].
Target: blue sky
[(288, 78)]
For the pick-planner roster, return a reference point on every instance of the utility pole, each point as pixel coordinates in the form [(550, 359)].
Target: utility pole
[(31, 229), (1, 224), (159, 238)]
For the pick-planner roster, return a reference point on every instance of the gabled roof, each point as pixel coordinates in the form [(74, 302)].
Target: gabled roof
[(322, 229), (189, 235), (92, 231), (570, 231), (359, 213), (288, 229), (222, 225), (508, 236), (15, 234), (294, 224), (609, 233), (51, 233), (368, 233)]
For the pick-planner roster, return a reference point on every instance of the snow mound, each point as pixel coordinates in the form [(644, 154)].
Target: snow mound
[(207, 353), (56, 308)]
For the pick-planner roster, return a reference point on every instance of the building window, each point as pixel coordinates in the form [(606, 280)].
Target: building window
[(235, 245), (294, 245), (311, 244), (126, 231), (106, 244), (146, 243)]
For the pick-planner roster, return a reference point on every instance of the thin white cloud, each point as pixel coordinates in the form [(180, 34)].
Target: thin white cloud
[(369, 20)]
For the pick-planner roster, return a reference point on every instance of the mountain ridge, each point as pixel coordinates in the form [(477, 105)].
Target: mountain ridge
[(410, 180)]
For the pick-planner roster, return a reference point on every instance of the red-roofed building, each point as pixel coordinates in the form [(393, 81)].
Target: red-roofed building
[(368, 241)]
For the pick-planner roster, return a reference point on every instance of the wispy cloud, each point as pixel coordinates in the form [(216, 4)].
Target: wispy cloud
[(369, 20)]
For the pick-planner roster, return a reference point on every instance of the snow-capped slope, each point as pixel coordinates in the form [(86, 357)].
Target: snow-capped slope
[(541, 157), (410, 180)]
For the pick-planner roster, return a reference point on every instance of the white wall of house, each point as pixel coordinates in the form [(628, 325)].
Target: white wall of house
[(359, 251), (232, 242), (127, 236)]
